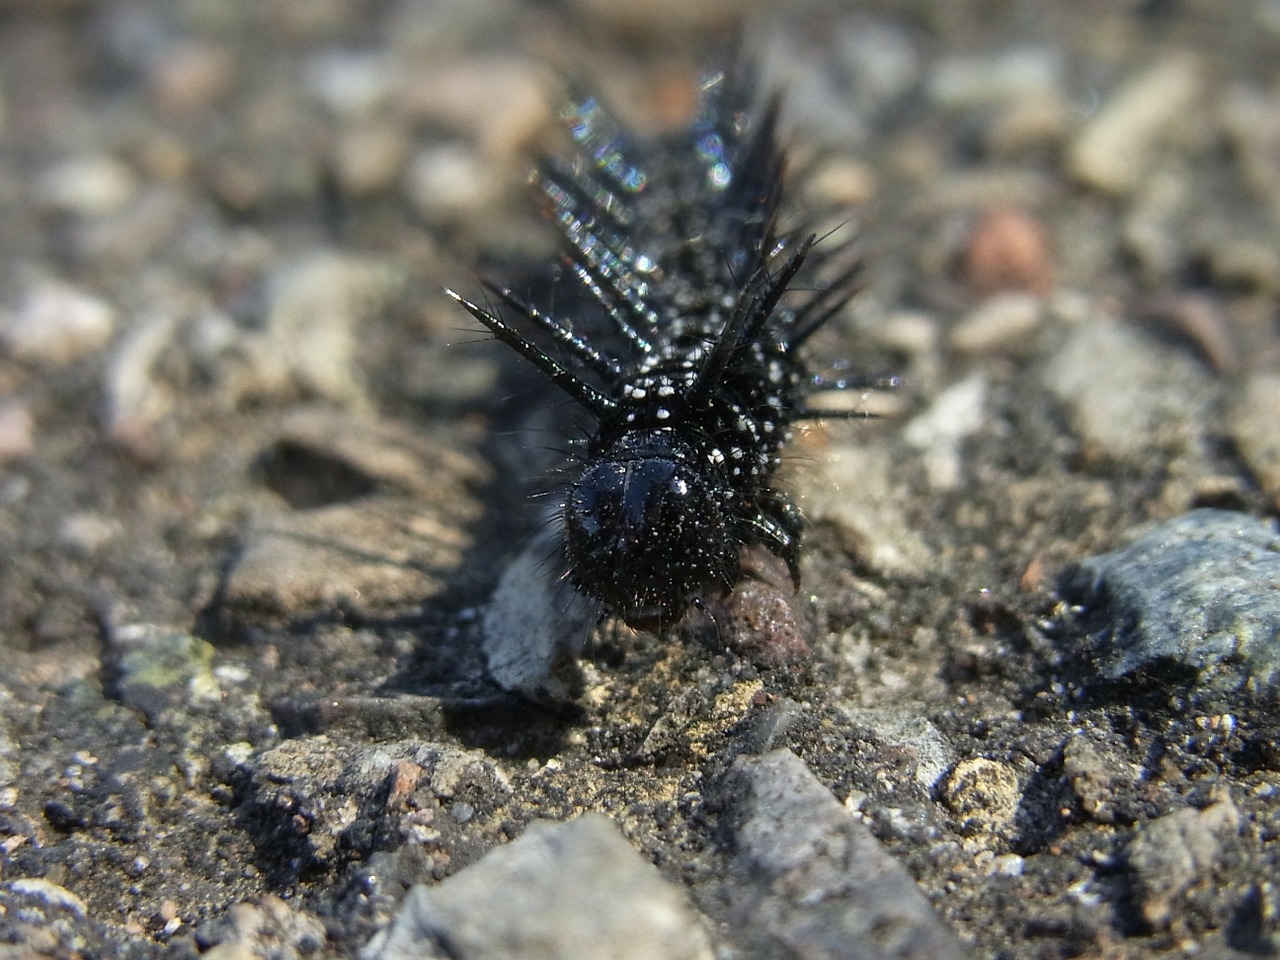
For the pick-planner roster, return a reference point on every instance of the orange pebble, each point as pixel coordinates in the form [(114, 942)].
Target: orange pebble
[(1008, 250)]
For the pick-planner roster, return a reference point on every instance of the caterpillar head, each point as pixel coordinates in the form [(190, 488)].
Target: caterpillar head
[(645, 534)]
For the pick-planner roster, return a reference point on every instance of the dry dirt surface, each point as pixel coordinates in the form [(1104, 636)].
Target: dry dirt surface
[(260, 477)]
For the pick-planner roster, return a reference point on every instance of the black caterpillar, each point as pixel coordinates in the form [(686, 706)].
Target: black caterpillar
[(688, 363)]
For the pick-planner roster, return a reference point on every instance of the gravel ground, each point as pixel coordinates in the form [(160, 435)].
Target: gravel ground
[(259, 478)]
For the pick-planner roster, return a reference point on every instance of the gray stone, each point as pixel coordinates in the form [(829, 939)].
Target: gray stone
[(569, 890), (536, 625), (856, 487), (910, 731), (1113, 150), (374, 555), (1256, 430), (1127, 395), (1197, 592), (816, 880), (309, 340), (1169, 855)]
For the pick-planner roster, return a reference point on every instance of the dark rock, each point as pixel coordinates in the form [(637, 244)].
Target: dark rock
[(1196, 595)]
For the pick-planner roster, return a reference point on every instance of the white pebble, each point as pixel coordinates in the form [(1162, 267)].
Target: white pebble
[(956, 413), (56, 324), (87, 186)]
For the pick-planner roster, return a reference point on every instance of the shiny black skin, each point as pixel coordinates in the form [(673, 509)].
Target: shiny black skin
[(688, 364)]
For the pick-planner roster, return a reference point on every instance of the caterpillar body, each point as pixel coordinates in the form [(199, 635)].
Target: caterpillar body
[(687, 360)]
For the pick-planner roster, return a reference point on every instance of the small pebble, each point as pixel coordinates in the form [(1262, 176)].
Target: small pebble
[(57, 324), (871, 524), (984, 795), (1171, 854), (191, 76), (50, 893), (1040, 123), (1115, 149), (498, 103), (447, 183), (1009, 249), (1019, 73), (905, 730), (1003, 323), (17, 431), (134, 400), (86, 533), (910, 332), (843, 184), (350, 83), (535, 627), (956, 413), (368, 158), (86, 186), (310, 340), (1126, 394), (1100, 778)]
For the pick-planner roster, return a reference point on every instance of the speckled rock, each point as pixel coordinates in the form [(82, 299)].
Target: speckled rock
[(983, 795), (1196, 595), (158, 668), (317, 802), (911, 733), (575, 889)]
